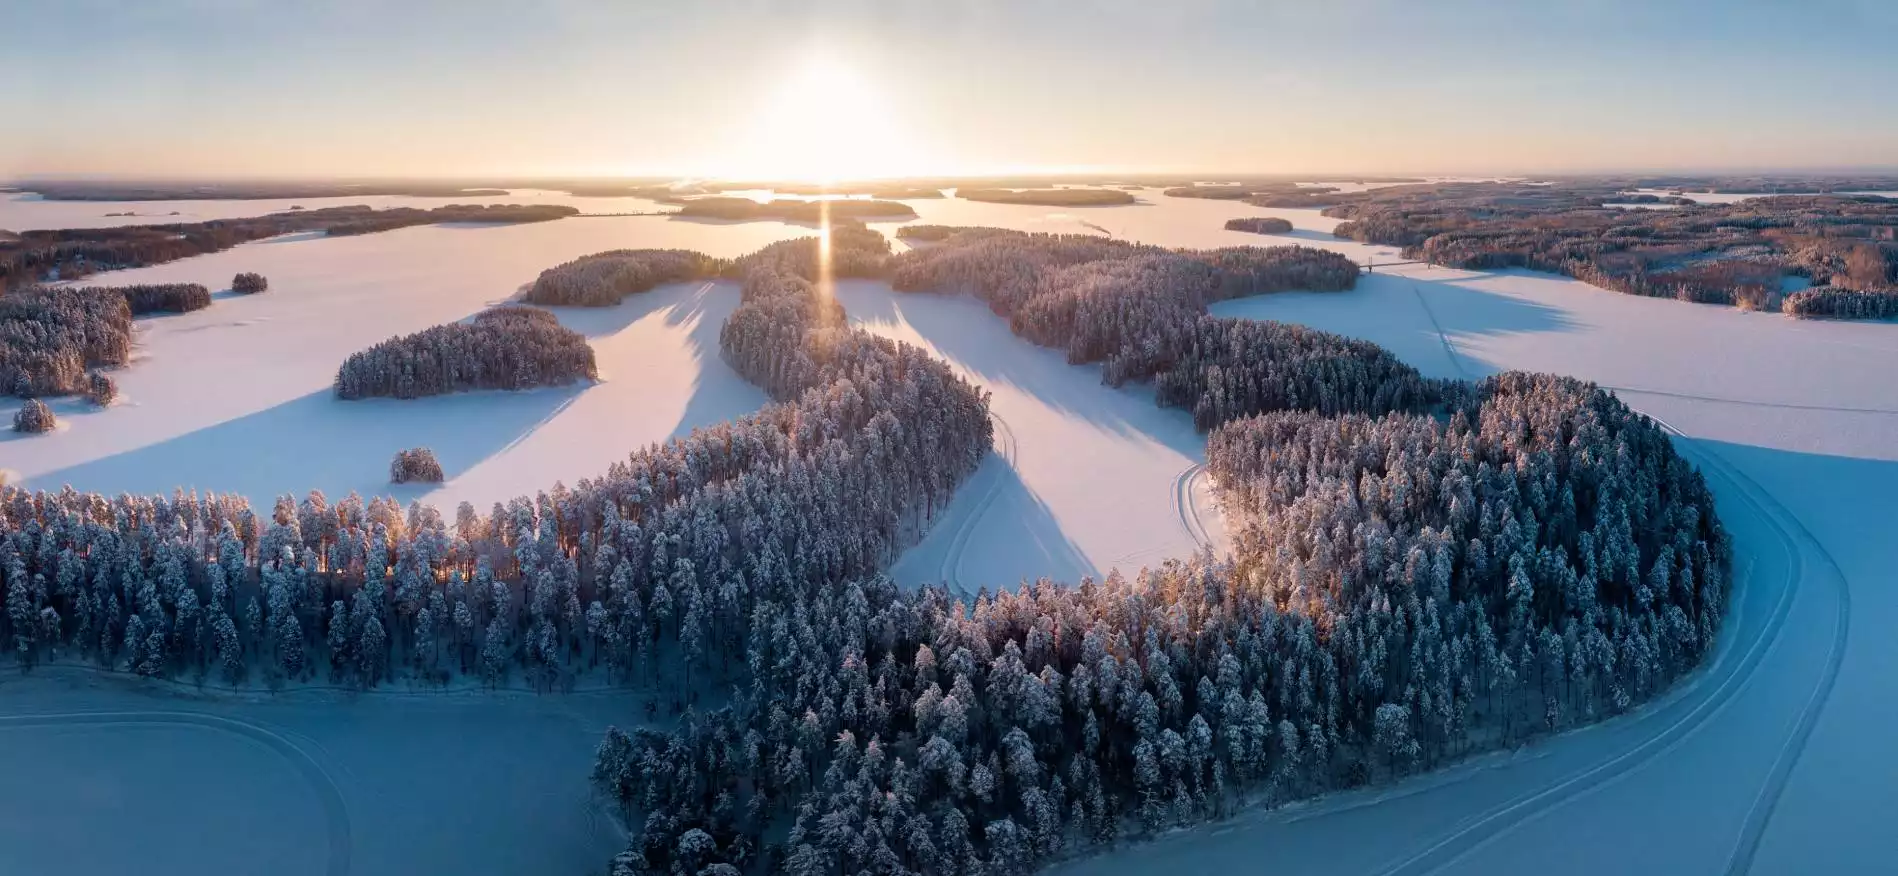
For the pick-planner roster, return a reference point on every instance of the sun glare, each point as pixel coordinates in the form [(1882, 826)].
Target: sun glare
[(823, 123)]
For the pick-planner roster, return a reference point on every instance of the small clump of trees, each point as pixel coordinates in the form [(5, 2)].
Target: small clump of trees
[(416, 465), (249, 283), (604, 279), (101, 389), (1260, 225), (509, 347), (34, 417)]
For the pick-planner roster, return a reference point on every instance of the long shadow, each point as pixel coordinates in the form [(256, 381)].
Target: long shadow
[(718, 393), (994, 534), (700, 310), (1419, 318), (316, 441), (963, 330), (319, 442), (1307, 234)]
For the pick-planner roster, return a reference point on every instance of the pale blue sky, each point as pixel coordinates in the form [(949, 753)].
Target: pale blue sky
[(234, 87)]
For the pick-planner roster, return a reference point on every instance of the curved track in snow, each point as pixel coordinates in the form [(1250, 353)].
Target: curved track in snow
[(321, 781), (1437, 822), (1687, 711), (1186, 508), (951, 569)]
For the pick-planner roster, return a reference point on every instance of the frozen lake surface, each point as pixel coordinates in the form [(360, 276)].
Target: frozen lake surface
[(1776, 759), (106, 776)]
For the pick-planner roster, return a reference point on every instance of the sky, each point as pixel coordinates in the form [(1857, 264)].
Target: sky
[(254, 88)]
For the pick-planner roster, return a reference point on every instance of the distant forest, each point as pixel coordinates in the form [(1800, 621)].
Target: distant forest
[(32, 257), (1745, 254), (1049, 197), (1422, 569), (794, 210), (84, 190)]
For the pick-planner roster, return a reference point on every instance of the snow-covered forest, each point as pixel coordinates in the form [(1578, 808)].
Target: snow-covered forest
[(1471, 564), (1260, 225), (603, 279), (49, 338), (509, 347), (1832, 301), (165, 298)]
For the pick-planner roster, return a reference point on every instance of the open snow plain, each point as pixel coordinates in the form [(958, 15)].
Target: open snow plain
[(1774, 759)]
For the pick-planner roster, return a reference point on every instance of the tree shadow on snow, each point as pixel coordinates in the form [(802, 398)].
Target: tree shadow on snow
[(1423, 319), (317, 441), (963, 330), (994, 534)]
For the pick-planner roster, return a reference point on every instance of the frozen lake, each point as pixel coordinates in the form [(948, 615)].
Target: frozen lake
[(106, 776), (1776, 757)]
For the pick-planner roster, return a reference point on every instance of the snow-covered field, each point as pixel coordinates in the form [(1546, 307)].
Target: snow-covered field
[(1775, 760)]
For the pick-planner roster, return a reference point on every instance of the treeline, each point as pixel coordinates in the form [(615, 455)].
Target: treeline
[(1741, 254), (33, 257), (507, 347), (1243, 191), (603, 279), (1835, 303), (1260, 225), (153, 298), (372, 221), (108, 190), (50, 337)]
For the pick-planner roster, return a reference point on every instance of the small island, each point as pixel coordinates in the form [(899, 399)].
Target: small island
[(782, 210), (508, 347), (1260, 225), (604, 278), (1049, 197)]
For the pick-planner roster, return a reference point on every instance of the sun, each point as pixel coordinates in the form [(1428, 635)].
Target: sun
[(822, 123)]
